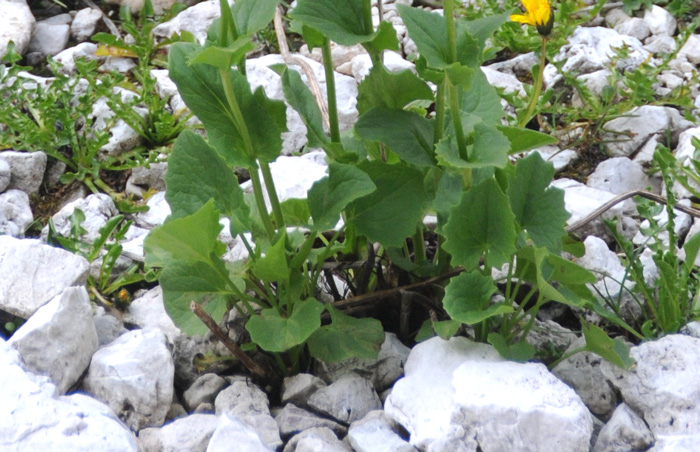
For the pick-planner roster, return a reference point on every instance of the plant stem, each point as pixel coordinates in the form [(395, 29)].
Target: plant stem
[(239, 121), (439, 113), (449, 11), (272, 194), (538, 85), (419, 245), (330, 91)]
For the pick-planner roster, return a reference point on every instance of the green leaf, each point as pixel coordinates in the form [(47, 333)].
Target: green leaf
[(189, 239), (223, 57), (202, 282), (330, 195), (691, 248), (251, 16), (390, 213), (482, 29), (612, 350), (446, 329), (407, 133), (468, 298), (522, 139), (275, 333), (482, 100), (346, 337), (202, 90), (295, 212), (482, 223), (538, 208), (520, 351), (341, 22), (428, 31), (302, 100), (384, 39), (197, 174), (273, 266), (382, 88), (490, 147)]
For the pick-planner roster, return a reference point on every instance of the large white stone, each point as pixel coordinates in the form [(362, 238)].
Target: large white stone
[(188, 434), (620, 175), (134, 376), (660, 21), (376, 432), (625, 431), (26, 169), (18, 24), (34, 418), (49, 347), (229, 431), (664, 385), (34, 273), (15, 213), (346, 400)]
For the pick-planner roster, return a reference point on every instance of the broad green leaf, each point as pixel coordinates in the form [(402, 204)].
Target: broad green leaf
[(446, 329), (538, 208), (202, 282), (202, 90), (612, 350), (295, 212), (490, 147), (384, 39), (346, 337), (391, 213), (467, 298), (330, 195), (382, 88), (223, 57), (459, 75), (302, 100), (482, 100), (428, 31), (196, 174), (520, 351), (273, 266), (275, 333), (406, 133), (482, 29), (691, 247), (189, 239), (341, 22), (481, 224), (522, 139), (252, 16)]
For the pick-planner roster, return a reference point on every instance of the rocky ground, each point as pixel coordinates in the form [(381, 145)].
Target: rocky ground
[(76, 376)]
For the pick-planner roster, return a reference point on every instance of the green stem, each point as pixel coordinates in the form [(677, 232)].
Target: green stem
[(239, 121), (419, 246), (272, 194), (449, 11), (439, 113), (538, 86), (330, 91)]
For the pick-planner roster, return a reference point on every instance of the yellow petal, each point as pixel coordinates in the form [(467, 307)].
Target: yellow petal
[(521, 19)]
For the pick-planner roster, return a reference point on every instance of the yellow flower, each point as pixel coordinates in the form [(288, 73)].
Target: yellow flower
[(537, 13)]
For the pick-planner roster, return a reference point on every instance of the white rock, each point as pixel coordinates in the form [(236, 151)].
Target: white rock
[(107, 326), (33, 418), (188, 434), (231, 430), (248, 403), (98, 209), (581, 201), (615, 17), (635, 27), (49, 348), (84, 24), (660, 21), (559, 158), (626, 135), (382, 372), (5, 174), (15, 213), (595, 82), (520, 66), (293, 177), (681, 225), (688, 56), (508, 82), (203, 390), (293, 420), (195, 19), (143, 179), (625, 431), (606, 265), (134, 376), (67, 57), (316, 440), (620, 175), (298, 388), (661, 44), (423, 401), (18, 24), (158, 211), (376, 432), (664, 385), (519, 407), (26, 169), (148, 311), (49, 38), (348, 399), (34, 273), (685, 152), (159, 6), (362, 64), (582, 372)]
